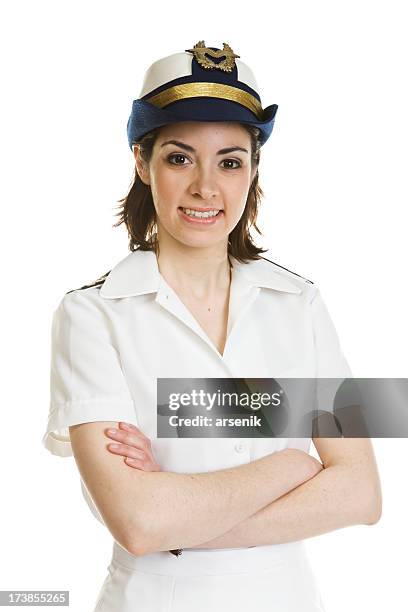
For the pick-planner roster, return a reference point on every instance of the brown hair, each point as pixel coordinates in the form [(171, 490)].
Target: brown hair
[(138, 213)]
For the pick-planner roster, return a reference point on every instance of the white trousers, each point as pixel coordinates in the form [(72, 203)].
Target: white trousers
[(273, 578)]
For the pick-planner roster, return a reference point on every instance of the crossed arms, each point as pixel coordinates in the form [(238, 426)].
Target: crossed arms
[(282, 497)]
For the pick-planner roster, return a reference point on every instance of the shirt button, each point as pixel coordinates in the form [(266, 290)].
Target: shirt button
[(240, 447)]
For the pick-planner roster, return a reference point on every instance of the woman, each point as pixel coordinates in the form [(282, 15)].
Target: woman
[(200, 521)]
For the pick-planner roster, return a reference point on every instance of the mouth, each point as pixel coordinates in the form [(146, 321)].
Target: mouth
[(200, 216), (202, 213)]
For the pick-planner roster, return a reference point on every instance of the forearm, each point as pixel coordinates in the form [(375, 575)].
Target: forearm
[(331, 500), (182, 510)]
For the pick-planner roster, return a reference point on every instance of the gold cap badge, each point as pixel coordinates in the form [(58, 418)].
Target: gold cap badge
[(201, 52)]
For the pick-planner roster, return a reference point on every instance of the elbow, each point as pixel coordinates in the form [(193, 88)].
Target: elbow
[(148, 529), (130, 542), (137, 546), (374, 510), (143, 546), (375, 515), (137, 549), (143, 541), (137, 543), (128, 535), (367, 495), (148, 542)]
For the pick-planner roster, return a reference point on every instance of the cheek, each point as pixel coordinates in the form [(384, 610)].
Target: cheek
[(165, 188), (235, 203), (237, 196)]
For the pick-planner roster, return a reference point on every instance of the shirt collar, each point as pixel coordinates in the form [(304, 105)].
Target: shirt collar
[(138, 274)]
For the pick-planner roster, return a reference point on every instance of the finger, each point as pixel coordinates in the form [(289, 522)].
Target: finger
[(126, 451), (128, 438), (131, 427), (134, 463), (146, 466)]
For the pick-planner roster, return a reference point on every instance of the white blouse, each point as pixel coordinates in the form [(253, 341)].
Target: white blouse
[(111, 341)]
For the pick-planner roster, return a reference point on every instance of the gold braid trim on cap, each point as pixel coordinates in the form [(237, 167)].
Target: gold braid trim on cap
[(210, 90)]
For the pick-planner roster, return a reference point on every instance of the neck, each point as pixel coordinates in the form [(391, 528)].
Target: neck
[(200, 273)]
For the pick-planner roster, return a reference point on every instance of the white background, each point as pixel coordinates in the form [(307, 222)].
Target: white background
[(334, 177)]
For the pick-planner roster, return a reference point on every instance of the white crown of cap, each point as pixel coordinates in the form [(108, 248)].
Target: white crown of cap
[(179, 65)]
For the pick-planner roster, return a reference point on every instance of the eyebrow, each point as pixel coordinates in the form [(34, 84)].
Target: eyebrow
[(187, 147)]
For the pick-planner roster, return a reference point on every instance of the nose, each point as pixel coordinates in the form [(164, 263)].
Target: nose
[(204, 183)]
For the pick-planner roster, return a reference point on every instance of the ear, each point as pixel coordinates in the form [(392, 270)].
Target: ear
[(141, 166)]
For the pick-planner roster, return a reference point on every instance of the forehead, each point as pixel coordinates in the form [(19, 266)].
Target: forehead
[(196, 130)]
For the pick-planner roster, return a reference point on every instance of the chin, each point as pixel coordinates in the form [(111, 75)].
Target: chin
[(202, 242)]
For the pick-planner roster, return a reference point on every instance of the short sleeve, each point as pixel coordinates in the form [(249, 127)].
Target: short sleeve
[(332, 368), (330, 360), (87, 383)]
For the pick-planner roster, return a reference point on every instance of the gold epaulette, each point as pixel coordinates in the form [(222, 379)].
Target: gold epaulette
[(287, 269), (99, 281)]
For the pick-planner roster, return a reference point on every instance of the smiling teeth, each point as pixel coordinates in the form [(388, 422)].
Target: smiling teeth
[(195, 213)]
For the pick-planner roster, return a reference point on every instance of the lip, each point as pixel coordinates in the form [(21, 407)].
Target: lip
[(196, 221), (200, 209)]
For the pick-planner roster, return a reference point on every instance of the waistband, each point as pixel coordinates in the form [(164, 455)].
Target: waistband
[(211, 561)]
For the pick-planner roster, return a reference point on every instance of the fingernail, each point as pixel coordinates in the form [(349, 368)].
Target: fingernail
[(112, 431), (114, 445)]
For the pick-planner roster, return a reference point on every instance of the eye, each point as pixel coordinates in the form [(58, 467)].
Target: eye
[(236, 161), (178, 155)]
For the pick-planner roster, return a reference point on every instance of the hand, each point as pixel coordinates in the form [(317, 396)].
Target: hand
[(134, 446), (317, 466)]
